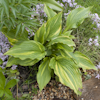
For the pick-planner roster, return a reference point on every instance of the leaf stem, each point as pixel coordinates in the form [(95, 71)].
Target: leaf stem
[(17, 90)]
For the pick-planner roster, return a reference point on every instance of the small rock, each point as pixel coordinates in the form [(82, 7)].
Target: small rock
[(25, 87)]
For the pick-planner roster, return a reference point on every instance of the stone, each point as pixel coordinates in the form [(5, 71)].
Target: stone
[(91, 90)]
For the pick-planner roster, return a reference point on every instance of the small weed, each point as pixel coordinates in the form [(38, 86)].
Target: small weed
[(34, 90)]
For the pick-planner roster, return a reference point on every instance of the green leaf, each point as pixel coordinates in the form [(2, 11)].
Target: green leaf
[(84, 61), (27, 49), (13, 11), (53, 26), (44, 73), (1, 92), (76, 17), (53, 4), (2, 80), (11, 83), (18, 28), (40, 34), (8, 93), (13, 71), (62, 39), (2, 14), (50, 13), (17, 61), (5, 4), (1, 61), (67, 72)]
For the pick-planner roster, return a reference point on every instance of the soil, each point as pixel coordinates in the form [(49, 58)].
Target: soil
[(55, 90)]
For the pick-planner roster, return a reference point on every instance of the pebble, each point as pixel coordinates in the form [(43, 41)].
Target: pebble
[(49, 93)]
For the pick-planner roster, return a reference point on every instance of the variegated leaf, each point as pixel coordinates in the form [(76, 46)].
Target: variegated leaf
[(76, 17), (53, 26), (62, 39), (66, 53), (64, 47), (28, 49), (67, 72), (68, 33), (50, 13), (17, 61), (84, 61), (40, 34), (44, 73)]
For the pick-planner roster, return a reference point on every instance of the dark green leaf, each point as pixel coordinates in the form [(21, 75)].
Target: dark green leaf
[(13, 10), (1, 91), (2, 80), (18, 28), (1, 61), (11, 83), (5, 4)]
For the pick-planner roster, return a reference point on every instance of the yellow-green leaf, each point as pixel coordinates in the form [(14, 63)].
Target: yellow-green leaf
[(27, 49), (53, 26), (67, 72), (62, 39), (84, 61), (66, 53), (40, 34), (50, 13), (76, 17), (17, 61), (44, 73), (64, 47)]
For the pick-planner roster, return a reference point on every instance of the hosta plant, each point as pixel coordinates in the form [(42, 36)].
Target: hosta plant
[(55, 50)]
